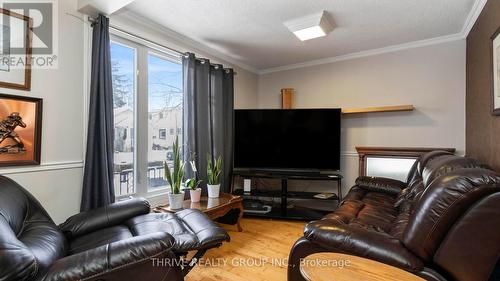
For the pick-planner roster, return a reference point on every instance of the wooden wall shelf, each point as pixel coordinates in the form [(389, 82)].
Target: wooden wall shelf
[(393, 108)]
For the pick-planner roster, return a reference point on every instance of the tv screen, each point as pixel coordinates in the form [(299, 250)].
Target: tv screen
[(288, 139)]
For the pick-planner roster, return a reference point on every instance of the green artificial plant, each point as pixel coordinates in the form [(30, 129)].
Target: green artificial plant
[(193, 183), (214, 170), (174, 176)]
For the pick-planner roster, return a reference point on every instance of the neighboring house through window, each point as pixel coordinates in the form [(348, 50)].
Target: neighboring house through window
[(159, 73)]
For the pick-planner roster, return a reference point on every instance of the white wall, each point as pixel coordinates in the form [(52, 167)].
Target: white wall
[(431, 78), (57, 181)]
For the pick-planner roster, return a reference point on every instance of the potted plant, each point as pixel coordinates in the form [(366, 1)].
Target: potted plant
[(174, 177), (193, 183), (214, 171), (194, 190)]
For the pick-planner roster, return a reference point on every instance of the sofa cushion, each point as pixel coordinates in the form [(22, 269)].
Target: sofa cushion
[(379, 184), (447, 198), (191, 229), (409, 195), (99, 238), (357, 240), (424, 159), (444, 164), (371, 209)]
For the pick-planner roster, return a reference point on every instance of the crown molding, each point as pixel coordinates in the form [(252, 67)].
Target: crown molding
[(195, 45), (182, 40), (471, 19), (474, 14), (368, 53)]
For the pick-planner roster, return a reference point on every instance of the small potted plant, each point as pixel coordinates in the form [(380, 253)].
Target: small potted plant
[(194, 190), (214, 171), (174, 178), (193, 183)]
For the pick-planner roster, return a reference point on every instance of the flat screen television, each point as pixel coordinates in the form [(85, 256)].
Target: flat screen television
[(287, 139)]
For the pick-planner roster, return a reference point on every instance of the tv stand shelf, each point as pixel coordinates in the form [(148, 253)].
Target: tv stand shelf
[(283, 210)]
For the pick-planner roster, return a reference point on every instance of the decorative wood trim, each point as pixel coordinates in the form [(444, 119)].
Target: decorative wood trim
[(392, 152), (392, 108), (287, 98)]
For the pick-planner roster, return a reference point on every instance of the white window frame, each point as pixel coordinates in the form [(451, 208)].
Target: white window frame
[(143, 49)]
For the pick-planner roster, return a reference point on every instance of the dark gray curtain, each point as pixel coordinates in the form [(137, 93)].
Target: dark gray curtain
[(208, 115), (98, 187)]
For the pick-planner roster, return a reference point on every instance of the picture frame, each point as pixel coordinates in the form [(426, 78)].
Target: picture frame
[(15, 52), (495, 77), (20, 130)]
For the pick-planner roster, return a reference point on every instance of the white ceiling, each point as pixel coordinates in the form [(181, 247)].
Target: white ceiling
[(252, 33)]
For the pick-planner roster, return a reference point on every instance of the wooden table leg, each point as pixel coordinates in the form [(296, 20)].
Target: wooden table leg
[(240, 229)]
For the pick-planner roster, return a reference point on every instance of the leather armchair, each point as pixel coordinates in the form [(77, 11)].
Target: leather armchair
[(94, 245), (441, 224)]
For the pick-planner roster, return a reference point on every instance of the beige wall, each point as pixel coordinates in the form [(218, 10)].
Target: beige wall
[(431, 78)]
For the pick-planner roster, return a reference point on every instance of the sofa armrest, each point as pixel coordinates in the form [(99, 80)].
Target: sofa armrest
[(362, 241), (128, 257), (111, 215), (380, 184)]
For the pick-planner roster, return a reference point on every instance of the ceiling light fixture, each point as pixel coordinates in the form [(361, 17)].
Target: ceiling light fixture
[(310, 27)]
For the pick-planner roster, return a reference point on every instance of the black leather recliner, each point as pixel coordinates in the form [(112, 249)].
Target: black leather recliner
[(122, 241)]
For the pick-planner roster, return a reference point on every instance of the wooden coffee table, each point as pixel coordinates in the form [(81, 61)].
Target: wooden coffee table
[(213, 207), (323, 266)]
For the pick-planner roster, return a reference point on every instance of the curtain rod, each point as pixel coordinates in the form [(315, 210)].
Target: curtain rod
[(177, 52)]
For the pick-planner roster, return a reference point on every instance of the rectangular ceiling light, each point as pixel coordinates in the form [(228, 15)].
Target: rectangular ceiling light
[(310, 27)]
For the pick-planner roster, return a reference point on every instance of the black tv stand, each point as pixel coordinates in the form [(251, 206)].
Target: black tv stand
[(282, 210)]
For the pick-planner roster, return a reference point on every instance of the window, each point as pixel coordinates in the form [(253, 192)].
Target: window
[(123, 65), (165, 97), (162, 134), (389, 167), (147, 98)]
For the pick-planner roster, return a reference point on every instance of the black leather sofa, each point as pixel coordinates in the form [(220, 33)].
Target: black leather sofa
[(122, 241), (443, 223)]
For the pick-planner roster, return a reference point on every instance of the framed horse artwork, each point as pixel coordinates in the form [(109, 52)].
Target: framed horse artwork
[(20, 130)]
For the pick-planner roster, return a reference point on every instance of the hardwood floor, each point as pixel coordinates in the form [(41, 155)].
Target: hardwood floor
[(266, 244), (252, 255)]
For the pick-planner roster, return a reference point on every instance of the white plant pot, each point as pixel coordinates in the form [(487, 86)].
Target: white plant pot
[(175, 200), (195, 195), (213, 190)]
